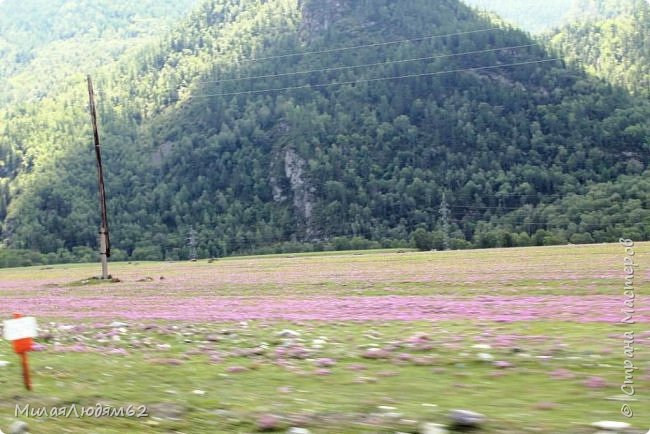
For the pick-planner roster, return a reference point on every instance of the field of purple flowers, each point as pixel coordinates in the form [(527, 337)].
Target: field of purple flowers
[(357, 342)]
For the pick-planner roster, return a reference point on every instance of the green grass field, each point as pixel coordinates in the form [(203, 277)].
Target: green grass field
[(355, 342)]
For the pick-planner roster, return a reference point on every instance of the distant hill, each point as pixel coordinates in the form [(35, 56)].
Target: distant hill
[(531, 15), (43, 41), (616, 49), (287, 125), (542, 16)]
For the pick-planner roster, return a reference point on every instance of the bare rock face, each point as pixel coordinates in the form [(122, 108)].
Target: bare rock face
[(318, 15), (294, 169)]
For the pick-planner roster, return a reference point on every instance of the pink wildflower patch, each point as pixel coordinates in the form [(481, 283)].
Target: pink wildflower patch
[(325, 363), (562, 374), (595, 383)]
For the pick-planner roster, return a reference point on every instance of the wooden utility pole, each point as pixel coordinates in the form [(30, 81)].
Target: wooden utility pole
[(104, 240), (444, 214)]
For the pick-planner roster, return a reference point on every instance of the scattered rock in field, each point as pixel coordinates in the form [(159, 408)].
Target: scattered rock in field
[(287, 333), (117, 324), (364, 380), (198, 392), (4, 363), (166, 410), (610, 426), (482, 347), (485, 357), (466, 418), (297, 430), (223, 413), (432, 428), (18, 427), (408, 422), (145, 279)]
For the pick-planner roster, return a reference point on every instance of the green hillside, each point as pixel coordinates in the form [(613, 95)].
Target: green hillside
[(531, 15), (616, 49), (538, 17), (43, 41), (305, 123)]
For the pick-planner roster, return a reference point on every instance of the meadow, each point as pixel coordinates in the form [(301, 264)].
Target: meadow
[(339, 342)]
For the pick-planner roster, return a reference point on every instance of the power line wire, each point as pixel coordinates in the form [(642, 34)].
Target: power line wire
[(389, 62), (356, 47), (370, 80)]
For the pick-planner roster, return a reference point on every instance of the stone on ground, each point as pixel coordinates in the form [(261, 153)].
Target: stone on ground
[(18, 427), (466, 418), (432, 428), (610, 426), (297, 430)]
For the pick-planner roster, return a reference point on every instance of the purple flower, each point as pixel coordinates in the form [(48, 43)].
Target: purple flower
[(562, 374), (375, 353), (267, 422), (38, 347), (357, 367), (325, 363), (118, 352), (595, 382)]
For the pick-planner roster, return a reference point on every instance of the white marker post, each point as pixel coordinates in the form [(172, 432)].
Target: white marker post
[(20, 331)]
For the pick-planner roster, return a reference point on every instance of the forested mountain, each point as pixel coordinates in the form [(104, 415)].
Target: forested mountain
[(532, 15), (258, 123), (541, 16), (43, 41), (616, 49)]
